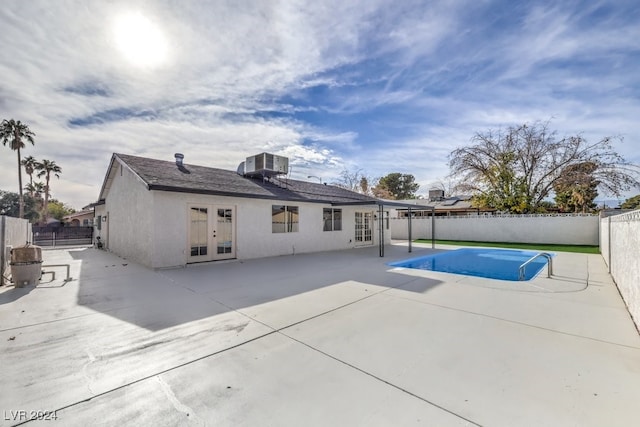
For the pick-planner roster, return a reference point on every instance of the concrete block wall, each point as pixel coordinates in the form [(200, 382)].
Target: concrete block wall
[(13, 232), (620, 247), (558, 229)]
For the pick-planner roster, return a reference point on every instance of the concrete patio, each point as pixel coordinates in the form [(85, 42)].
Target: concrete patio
[(317, 339)]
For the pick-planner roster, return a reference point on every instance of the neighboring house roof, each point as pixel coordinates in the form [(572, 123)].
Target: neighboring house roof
[(454, 202), (91, 206), (448, 203), (78, 214), (167, 176)]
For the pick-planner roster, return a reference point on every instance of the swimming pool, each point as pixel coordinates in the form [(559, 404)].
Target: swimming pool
[(502, 264)]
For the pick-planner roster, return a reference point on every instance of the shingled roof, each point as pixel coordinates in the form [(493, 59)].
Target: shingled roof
[(167, 176)]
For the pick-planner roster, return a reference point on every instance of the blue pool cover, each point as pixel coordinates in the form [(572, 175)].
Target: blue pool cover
[(502, 264)]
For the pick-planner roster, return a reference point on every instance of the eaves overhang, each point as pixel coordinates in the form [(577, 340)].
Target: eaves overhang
[(169, 188), (385, 204)]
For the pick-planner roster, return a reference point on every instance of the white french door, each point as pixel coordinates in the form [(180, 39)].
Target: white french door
[(211, 233), (364, 228)]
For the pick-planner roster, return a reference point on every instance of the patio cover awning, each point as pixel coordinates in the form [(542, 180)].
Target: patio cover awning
[(381, 205)]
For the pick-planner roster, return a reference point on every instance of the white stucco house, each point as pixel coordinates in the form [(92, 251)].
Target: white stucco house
[(168, 213)]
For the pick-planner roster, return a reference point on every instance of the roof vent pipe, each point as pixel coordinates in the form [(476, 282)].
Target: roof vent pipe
[(179, 157)]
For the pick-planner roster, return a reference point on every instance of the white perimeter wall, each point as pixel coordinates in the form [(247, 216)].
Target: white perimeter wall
[(13, 232), (574, 230), (620, 247)]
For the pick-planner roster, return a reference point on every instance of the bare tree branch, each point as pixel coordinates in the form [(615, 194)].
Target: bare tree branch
[(517, 169)]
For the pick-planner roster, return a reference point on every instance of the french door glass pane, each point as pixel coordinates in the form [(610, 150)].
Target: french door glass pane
[(198, 230), (367, 226), (225, 231), (359, 226)]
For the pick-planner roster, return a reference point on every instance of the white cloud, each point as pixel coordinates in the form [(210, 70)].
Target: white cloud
[(425, 76)]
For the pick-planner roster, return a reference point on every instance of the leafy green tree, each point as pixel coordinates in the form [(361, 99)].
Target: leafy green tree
[(46, 168), (365, 187), (9, 203), (631, 203), (547, 206), (36, 190), (382, 193), (10, 206), (577, 188), (59, 210), (506, 192), (517, 169), (397, 186), (14, 133)]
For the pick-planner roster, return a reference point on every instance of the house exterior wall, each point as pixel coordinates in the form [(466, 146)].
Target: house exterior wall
[(79, 220), (101, 229), (569, 229), (620, 247), (254, 236), (130, 217)]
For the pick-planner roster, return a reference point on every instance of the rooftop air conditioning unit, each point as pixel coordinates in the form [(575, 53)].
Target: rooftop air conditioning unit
[(266, 165)]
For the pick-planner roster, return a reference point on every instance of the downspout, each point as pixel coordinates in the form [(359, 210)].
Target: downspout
[(2, 249), (609, 243), (381, 230), (107, 242), (409, 226)]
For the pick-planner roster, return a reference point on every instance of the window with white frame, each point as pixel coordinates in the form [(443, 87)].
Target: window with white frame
[(332, 219)]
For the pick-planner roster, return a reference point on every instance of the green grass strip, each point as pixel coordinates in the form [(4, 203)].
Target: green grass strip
[(582, 249)]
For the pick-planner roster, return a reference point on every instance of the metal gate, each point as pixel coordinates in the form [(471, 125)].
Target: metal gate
[(61, 236)]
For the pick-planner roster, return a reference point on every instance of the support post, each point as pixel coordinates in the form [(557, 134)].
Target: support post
[(409, 226), (381, 229), (609, 243), (2, 249), (433, 227)]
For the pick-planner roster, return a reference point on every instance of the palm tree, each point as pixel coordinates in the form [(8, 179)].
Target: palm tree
[(29, 164), (45, 168), (14, 132), (31, 209), (36, 190)]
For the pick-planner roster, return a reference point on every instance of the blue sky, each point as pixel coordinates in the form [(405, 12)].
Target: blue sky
[(378, 86)]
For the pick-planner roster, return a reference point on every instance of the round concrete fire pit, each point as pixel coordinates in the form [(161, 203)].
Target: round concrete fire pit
[(26, 265)]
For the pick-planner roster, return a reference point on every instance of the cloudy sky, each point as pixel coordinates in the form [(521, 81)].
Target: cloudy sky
[(382, 86)]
